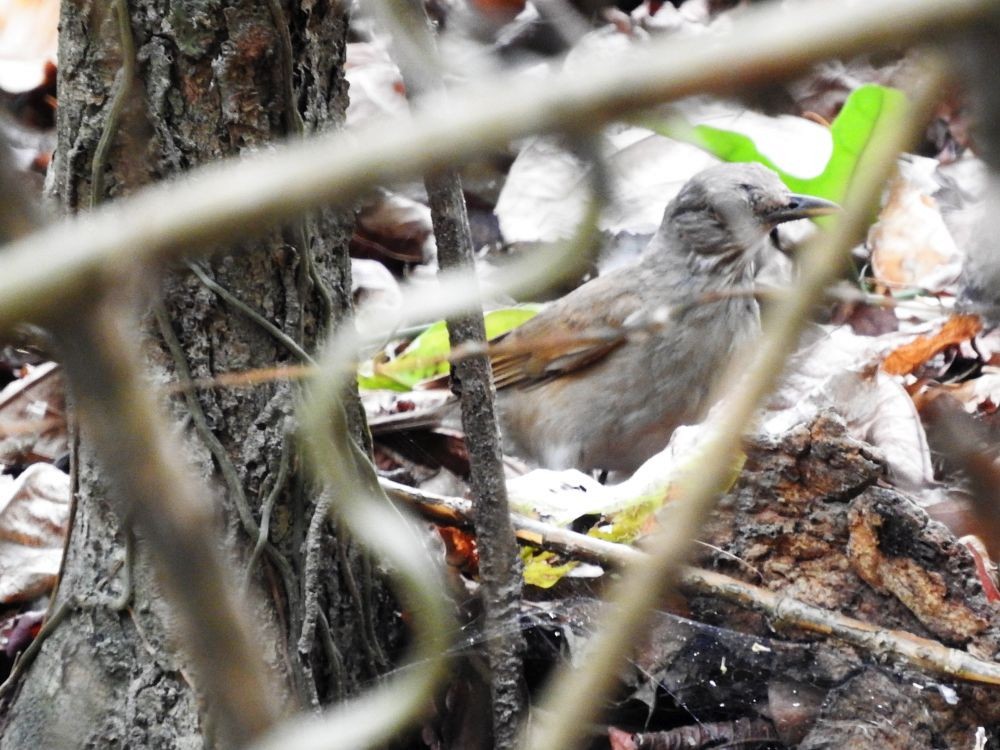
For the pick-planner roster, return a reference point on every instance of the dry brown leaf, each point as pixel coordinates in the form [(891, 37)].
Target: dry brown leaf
[(911, 245), (461, 549), (38, 398), (34, 512), (396, 228), (907, 358)]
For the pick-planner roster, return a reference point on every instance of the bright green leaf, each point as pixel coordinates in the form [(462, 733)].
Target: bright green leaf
[(426, 356), (867, 110), (544, 569)]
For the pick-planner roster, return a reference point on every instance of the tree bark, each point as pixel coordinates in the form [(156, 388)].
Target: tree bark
[(212, 80)]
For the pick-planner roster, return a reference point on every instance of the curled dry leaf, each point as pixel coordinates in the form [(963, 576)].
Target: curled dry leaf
[(394, 228), (376, 291), (907, 358), (461, 549), (34, 512), (28, 40)]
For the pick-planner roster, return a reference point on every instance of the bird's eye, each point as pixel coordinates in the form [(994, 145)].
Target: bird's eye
[(751, 193)]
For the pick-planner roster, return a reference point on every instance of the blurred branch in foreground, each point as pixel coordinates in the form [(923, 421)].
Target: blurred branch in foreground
[(237, 198)]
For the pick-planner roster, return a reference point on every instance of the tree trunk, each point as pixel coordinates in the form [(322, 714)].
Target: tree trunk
[(212, 80)]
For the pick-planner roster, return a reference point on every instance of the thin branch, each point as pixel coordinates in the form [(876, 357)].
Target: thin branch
[(221, 202), (561, 724), (373, 520), (266, 508), (472, 380), (123, 88), (780, 609)]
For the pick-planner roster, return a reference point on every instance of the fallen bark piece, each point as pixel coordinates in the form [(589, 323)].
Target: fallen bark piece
[(786, 628), (811, 520), (738, 732), (894, 548)]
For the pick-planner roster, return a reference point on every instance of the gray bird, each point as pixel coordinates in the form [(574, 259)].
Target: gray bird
[(602, 377)]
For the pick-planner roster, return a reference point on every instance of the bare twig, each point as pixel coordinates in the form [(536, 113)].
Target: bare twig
[(472, 380), (782, 611), (499, 565), (785, 611)]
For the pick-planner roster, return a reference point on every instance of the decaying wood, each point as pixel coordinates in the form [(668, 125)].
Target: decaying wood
[(835, 603), (811, 518)]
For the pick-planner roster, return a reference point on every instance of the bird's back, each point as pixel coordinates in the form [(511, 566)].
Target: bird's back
[(617, 410)]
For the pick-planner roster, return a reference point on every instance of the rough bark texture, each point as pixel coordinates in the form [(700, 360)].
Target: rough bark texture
[(213, 80), (809, 518)]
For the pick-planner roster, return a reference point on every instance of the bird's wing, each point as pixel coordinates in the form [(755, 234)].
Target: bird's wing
[(590, 325)]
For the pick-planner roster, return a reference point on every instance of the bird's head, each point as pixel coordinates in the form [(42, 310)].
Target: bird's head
[(722, 214)]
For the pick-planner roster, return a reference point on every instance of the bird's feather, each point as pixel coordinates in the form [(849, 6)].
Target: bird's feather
[(565, 337)]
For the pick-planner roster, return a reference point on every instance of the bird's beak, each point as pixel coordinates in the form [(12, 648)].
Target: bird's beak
[(802, 207)]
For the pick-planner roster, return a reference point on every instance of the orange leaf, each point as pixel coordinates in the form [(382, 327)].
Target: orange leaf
[(460, 549), (909, 357)]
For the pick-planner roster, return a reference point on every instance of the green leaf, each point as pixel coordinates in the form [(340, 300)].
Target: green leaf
[(866, 112), (544, 569), (426, 357), (368, 381)]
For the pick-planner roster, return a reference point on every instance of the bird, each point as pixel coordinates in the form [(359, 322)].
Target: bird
[(601, 378)]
